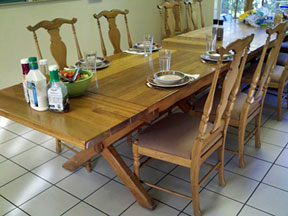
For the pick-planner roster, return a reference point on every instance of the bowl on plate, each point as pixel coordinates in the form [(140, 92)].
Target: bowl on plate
[(79, 87), (169, 77)]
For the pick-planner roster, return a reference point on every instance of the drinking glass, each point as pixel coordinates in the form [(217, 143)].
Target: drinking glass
[(148, 44), (164, 59), (210, 43), (91, 60)]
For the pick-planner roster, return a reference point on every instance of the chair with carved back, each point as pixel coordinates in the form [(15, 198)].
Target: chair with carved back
[(177, 139), (191, 5), (249, 106), (114, 33), (59, 52), (57, 46)]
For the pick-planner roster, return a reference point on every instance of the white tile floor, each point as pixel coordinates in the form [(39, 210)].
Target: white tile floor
[(33, 182)]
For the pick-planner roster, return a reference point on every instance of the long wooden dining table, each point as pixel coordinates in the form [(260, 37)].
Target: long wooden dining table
[(118, 101)]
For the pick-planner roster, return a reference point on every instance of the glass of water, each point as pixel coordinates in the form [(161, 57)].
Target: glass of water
[(148, 44), (164, 59), (91, 60)]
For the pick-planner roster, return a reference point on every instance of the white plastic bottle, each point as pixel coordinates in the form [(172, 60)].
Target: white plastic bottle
[(37, 87)]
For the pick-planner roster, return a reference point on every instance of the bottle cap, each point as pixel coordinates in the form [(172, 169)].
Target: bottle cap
[(43, 62), (221, 22), (54, 77), (33, 63), (24, 61), (53, 67), (215, 21)]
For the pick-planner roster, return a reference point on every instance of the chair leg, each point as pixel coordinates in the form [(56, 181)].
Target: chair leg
[(136, 159), (279, 103), (194, 175), (58, 146), (241, 136), (257, 133), (221, 167), (129, 139), (88, 166)]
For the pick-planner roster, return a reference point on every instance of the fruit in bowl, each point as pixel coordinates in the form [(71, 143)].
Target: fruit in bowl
[(80, 85)]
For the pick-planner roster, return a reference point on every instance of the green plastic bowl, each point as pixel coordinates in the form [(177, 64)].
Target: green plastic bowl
[(79, 87)]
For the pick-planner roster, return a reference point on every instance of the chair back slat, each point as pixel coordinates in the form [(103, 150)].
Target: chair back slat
[(57, 46), (201, 13), (37, 45), (179, 27), (280, 31), (188, 15), (114, 33), (163, 21), (193, 17)]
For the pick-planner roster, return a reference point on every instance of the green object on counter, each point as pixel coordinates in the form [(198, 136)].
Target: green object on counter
[(79, 87)]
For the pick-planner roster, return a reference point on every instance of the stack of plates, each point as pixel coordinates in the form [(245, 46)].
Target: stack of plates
[(100, 64), (140, 46), (168, 79), (213, 56)]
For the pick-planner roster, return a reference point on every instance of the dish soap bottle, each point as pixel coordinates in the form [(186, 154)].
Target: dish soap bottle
[(37, 87), (57, 92), (25, 71)]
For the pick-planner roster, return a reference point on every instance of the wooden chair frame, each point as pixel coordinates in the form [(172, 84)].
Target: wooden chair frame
[(114, 33), (206, 142), (57, 46)]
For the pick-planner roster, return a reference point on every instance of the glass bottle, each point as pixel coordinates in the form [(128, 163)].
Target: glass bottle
[(37, 87), (25, 71), (220, 31), (214, 27), (43, 63), (57, 92)]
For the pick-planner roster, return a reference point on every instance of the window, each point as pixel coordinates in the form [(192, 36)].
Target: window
[(228, 6)]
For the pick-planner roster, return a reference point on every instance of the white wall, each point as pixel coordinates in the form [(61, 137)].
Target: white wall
[(17, 42)]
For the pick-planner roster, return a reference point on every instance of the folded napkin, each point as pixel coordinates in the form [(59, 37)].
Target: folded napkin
[(193, 76), (134, 51)]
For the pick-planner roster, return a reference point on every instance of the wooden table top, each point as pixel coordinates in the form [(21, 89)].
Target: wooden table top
[(92, 116), (121, 95)]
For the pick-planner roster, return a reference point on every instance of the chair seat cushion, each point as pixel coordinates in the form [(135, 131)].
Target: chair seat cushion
[(174, 134), (284, 47), (277, 73), (238, 105), (282, 58), (275, 77)]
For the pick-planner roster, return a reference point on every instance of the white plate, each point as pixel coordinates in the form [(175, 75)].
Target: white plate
[(140, 46), (101, 63), (208, 58), (169, 77), (151, 80)]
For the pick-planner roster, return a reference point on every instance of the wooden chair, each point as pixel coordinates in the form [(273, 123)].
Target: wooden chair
[(114, 33), (176, 138), (57, 46), (249, 106)]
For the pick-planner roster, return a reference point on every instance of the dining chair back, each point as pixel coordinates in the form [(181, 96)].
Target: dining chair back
[(57, 46), (176, 138), (168, 24), (114, 33), (189, 16)]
